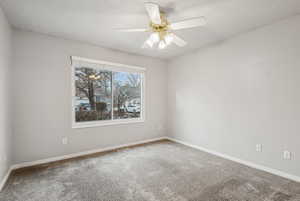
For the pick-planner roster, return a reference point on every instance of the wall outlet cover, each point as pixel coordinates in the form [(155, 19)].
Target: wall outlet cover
[(64, 140), (3, 159), (259, 147), (287, 155)]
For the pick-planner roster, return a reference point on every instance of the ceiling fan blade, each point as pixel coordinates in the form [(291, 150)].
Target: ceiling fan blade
[(153, 12), (132, 30), (189, 23), (178, 41)]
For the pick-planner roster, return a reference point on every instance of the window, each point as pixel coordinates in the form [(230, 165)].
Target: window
[(106, 93)]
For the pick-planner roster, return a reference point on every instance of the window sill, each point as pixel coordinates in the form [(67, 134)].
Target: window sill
[(106, 123)]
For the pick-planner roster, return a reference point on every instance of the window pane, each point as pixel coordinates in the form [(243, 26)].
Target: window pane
[(127, 95), (93, 94)]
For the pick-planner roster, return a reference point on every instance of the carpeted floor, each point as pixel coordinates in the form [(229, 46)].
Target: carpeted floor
[(162, 171)]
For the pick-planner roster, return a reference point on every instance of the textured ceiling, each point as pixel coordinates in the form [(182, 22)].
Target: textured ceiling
[(94, 21)]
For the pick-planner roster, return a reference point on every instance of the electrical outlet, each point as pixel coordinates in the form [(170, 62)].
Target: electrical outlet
[(259, 147), (3, 159), (65, 140), (287, 155)]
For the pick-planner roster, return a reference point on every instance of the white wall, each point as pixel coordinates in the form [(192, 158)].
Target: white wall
[(42, 98), (5, 123), (241, 92), (226, 98)]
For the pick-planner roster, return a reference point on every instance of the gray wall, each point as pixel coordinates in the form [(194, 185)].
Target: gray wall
[(241, 92), (42, 99), (5, 113)]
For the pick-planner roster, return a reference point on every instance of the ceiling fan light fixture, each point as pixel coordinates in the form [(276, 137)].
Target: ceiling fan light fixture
[(154, 37), (150, 43), (169, 38), (162, 45)]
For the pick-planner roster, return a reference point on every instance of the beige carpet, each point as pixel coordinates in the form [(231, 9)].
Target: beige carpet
[(162, 171)]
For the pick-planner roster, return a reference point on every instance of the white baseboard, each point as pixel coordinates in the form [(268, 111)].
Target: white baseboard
[(58, 158), (68, 156), (4, 180), (247, 163)]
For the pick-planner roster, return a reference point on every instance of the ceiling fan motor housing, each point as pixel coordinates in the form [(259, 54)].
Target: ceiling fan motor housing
[(161, 29)]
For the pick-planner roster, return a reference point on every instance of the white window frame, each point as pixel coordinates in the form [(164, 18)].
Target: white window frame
[(119, 67)]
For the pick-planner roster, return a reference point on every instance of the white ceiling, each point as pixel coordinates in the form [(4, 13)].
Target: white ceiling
[(94, 21)]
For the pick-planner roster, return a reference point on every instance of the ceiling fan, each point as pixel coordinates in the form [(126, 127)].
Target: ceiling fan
[(162, 31)]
